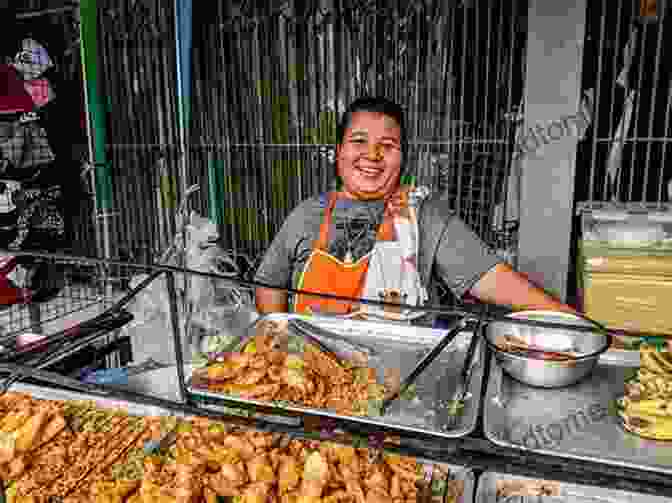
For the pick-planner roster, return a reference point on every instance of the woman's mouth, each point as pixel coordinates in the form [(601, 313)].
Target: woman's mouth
[(370, 171)]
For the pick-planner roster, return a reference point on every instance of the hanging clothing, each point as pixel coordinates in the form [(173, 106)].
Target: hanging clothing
[(32, 60), (388, 273), (14, 99), (40, 91), (24, 144), (40, 221)]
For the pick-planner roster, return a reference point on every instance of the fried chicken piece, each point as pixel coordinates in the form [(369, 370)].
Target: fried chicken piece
[(15, 419), (315, 476), (288, 474), (256, 493), (259, 469), (377, 480), (238, 444), (258, 391)]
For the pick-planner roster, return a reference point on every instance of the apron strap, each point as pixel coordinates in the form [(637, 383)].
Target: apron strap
[(323, 239)]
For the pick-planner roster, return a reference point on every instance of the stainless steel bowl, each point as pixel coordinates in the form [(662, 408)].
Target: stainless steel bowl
[(536, 371)]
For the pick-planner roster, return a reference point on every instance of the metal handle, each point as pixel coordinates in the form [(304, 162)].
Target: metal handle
[(454, 330), (19, 372)]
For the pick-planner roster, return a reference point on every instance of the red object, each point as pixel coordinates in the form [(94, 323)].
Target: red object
[(13, 95), (9, 294)]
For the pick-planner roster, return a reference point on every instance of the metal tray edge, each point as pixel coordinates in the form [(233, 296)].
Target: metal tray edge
[(497, 372), (488, 478), (134, 408), (466, 430)]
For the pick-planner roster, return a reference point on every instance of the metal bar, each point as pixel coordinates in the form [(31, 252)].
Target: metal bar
[(177, 339), (668, 105), (96, 120), (461, 132), (46, 12), (598, 94), (635, 118), (652, 112), (612, 115)]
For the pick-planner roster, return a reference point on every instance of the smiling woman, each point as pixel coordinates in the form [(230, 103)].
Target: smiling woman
[(409, 238)]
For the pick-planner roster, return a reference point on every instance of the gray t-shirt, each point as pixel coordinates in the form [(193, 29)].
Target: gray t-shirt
[(460, 260)]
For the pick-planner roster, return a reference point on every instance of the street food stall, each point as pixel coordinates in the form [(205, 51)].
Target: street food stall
[(484, 406), (481, 405)]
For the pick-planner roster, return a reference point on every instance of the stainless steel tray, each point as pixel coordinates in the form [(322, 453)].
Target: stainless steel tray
[(486, 492), (578, 422), (133, 408), (401, 346), (459, 473)]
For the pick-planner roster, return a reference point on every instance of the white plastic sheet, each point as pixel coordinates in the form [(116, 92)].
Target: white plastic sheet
[(212, 310)]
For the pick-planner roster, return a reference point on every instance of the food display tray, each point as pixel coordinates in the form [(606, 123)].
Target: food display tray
[(456, 472), (486, 492), (133, 408), (577, 422), (398, 346)]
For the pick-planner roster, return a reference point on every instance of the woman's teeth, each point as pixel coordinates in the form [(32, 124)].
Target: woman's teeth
[(370, 171)]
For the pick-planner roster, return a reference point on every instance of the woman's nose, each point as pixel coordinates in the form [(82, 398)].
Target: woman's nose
[(376, 152)]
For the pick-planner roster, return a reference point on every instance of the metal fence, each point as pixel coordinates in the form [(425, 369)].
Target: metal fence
[(271, 83), (138, 59), (627, 70)]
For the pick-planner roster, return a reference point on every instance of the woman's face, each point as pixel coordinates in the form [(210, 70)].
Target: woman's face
[(369, 160)]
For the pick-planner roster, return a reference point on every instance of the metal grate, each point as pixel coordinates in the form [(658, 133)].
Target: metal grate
[(138, 61), (627, 70), (270, 85)]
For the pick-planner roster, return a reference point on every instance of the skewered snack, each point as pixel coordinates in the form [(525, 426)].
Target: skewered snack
[(265, 370), (515, 345), (526, 488), (646, 408), (98, 456)]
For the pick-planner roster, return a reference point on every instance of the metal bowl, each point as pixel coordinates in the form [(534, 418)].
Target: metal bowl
[(537, 371)]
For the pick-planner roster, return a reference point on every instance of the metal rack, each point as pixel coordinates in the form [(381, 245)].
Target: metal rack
[(78, 305)]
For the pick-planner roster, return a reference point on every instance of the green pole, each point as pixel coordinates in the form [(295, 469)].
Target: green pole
[(96, 116), (215, 190)]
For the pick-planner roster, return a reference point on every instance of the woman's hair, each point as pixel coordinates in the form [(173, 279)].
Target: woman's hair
[(380, 105)]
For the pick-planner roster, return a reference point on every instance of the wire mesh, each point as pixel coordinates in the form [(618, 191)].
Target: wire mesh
[(627, 67), (270, 86), (138, 77), (44, 296)]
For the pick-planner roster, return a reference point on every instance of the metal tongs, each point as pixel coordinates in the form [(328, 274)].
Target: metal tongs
[(338, 346), (18, 372), (456, 403), (454, 329)]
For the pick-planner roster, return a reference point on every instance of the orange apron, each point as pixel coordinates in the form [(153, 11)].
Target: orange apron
[(324, 273)]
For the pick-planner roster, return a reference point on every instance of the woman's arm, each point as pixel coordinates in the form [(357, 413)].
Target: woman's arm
[(505, 287), (270, 300)]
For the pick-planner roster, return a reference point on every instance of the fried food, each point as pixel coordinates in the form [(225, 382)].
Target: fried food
[(265, 371), (526, 488), (646, 409), (84, 454)]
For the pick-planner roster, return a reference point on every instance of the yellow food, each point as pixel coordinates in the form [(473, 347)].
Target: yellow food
[(646, 407), (312, 378), (83, 454)]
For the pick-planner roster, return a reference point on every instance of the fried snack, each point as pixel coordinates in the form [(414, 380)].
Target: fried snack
[(100, 460), (526, 488), (645, 408), (313, 378)]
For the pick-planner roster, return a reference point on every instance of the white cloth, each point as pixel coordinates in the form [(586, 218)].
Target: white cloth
[(392, 267)]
